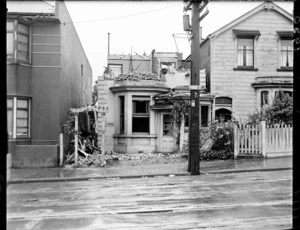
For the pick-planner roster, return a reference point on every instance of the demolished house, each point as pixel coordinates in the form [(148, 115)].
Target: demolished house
[(140, 103)]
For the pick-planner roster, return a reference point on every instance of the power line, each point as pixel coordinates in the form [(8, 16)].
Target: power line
[(124, 16)]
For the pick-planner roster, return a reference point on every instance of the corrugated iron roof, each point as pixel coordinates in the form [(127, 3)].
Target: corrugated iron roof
[(31, 7)]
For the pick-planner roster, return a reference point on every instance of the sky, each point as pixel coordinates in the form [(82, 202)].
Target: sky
[(141, 26)]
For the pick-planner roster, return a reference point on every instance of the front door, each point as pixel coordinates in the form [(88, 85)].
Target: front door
[(167, 140)]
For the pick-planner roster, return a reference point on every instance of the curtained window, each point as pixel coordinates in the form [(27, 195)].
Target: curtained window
[(245, 52), (286, 53)]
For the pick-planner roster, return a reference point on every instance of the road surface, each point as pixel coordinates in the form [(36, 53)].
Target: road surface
[(256, 200)]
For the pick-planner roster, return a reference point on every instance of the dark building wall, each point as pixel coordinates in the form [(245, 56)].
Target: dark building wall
[(18, 80), (45, 85), (76, 72)]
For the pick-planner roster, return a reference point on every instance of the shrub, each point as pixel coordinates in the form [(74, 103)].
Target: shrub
[(281, 111), (222, 136)]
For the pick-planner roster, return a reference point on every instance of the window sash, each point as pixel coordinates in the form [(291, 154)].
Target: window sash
[(245, 51), (10, 122), (17, 43), (264, 97), (18, 117)]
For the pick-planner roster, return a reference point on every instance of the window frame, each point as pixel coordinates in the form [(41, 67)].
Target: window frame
[(246, 34), (141, 115), (122, 114), (244, 51), (119, 65), (15, 110), (16, 42), (264, 97), (288, 51)]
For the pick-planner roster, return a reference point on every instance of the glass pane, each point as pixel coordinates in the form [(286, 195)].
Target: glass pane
[(291, 59), (9, 43), (140, 124), (245, 42), (23, 28), (140, 106), (22, 46), (249, 58), (22, 122), (23, 55), (23, 38), (22, 114), (10, 122), (9, 26), (22, 103), (287, 42), (10, 103), (22, 131), (240, 57)]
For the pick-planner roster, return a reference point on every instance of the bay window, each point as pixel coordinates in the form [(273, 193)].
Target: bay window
[(17, 41)]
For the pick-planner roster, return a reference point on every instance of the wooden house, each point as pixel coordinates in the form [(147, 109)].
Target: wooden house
[(248, 60)]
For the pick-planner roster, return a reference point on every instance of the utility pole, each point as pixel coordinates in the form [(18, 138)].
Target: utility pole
[(194, 116)]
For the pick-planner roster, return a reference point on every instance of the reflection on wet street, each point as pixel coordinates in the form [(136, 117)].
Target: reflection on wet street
[(255, 200)]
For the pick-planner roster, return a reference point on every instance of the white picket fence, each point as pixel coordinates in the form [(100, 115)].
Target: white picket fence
[(267, 141)]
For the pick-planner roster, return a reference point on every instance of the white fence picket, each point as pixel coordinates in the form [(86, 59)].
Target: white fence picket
[(278, 139)]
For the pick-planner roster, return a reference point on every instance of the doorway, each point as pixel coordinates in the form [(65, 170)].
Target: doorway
[(167, 134)]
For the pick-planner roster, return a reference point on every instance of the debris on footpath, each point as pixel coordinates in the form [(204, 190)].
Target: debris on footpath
[(88, 154)]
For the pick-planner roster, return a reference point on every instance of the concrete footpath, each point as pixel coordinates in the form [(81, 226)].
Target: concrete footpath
[(132, 170)]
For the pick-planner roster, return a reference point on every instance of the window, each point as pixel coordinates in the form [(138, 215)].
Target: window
[(264, 98), (140, 114), (224, 100), (246, 49), (286, 54), (122, 114), (245, 52), (289, 93), (17, 43), (18, 117), (204, 116), (115, 69)]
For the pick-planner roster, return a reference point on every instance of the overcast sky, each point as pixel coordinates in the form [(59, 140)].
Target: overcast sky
[(144, 26)]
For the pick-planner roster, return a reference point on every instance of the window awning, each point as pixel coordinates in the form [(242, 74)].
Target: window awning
[(246, 32), (285, 34)]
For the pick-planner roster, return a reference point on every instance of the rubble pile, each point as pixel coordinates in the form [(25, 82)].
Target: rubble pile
[(88, 154), (141, 156), (136, 76)]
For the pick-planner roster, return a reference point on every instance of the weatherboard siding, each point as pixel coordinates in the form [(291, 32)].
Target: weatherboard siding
[(237, 84)]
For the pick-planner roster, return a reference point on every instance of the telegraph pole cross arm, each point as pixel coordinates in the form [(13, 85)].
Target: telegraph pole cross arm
[(194, 116)]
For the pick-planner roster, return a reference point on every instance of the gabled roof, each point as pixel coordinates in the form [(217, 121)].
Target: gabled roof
[(30, 7), (267, 5)]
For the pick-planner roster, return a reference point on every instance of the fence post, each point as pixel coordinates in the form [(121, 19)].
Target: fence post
[(263, 137), (61, 149), (235, 140), (76, 139)]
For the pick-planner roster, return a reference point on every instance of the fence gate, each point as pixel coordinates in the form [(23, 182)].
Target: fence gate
[(248, 140)]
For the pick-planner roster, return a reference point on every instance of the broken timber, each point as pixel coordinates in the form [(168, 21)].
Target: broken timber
[(102, 111)]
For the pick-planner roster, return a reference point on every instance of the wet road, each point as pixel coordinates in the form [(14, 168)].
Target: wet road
[(256, 200)]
